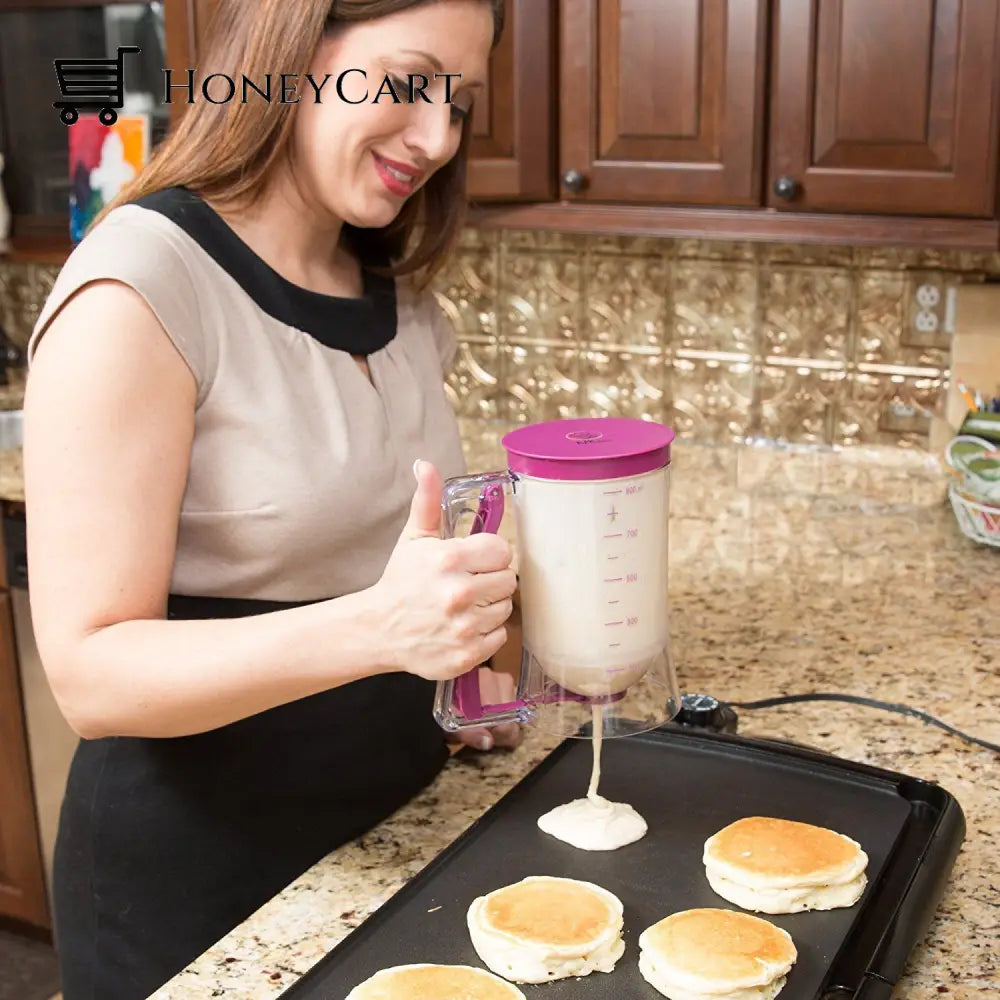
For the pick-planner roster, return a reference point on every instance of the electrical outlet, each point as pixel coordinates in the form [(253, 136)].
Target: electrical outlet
[(929, 312), (928, 296)]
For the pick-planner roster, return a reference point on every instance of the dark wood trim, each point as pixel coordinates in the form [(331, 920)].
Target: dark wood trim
[(577, 67), (22, 874), (995, 137), (181, 46), (31, 229), (38, 250), (180, 26), (744, 224), (528, 174), (32, 931), (681, 223), (4, 581)]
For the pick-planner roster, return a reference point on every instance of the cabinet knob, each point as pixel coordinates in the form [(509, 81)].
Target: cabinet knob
[(573, 180), (786, 188)]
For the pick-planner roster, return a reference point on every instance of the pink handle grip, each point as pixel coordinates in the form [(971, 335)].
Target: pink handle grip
[(488, 518)]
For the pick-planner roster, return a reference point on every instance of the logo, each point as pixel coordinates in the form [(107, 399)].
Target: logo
[(98, 84), (95, 84)]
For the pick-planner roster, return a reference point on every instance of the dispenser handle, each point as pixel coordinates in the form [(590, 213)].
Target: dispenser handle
[(490, 513), (458, 704), (488, 518)]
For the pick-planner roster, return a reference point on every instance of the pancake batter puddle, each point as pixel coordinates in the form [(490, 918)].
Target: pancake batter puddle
[(594, 823)]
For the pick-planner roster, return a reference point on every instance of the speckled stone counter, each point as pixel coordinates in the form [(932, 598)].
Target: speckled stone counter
[(12, 392), (791, 571), (11, 475)]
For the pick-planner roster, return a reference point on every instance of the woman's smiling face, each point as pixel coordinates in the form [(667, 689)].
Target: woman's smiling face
[(360, 154)]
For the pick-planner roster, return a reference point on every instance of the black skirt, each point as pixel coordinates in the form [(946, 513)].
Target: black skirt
[(165, 845)]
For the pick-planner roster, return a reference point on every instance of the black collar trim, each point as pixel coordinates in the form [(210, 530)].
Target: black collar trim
[(356, 325)]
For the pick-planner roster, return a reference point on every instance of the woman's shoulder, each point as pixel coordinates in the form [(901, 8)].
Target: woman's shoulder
[(133, 237), (143, 250), (134, 243)]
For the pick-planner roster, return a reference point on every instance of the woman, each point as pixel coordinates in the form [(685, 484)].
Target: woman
[(238, 587)]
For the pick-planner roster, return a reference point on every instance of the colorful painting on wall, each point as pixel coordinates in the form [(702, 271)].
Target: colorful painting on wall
[(102, 160)]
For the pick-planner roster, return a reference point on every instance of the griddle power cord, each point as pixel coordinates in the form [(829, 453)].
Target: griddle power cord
[(869, 703)]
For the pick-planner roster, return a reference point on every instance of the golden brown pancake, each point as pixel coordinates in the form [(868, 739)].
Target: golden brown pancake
[(558, 913), (768, 847), (435, 982), (544, 928), (722, 945)]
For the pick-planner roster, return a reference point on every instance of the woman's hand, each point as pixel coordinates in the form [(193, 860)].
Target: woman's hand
[(442, 603), (495, 687)]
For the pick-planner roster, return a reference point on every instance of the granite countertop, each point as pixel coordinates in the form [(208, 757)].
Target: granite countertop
[(11, 474), (791, 571), (12, 392)]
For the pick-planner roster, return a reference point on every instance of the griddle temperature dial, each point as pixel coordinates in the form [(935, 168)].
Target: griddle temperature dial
[(702, 711)]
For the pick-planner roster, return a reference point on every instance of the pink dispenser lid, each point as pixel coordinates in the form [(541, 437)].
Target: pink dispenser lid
[(589, 448)]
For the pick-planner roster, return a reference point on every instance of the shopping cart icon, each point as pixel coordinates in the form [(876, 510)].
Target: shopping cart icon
[(92, 83)]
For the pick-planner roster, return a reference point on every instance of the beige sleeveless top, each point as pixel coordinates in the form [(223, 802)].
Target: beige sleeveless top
[(300, 476)]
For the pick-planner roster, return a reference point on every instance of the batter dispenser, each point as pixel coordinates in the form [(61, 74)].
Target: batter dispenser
[(590, 504)]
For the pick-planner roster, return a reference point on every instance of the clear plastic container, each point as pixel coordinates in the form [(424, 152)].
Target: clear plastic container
[(590, 500)]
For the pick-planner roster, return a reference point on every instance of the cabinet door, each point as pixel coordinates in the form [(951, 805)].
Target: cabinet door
[(185, 25), (22, 878), (511, 155), (661, 100), (887, 107)]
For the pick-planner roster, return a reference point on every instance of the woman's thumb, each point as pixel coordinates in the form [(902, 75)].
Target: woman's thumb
[(425, 508)]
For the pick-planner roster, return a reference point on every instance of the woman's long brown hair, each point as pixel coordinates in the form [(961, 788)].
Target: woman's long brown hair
[(226, 152)]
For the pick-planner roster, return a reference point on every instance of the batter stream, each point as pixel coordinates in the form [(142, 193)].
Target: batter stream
[(594, 823)]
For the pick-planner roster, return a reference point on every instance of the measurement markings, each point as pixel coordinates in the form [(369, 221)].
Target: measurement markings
[(613, 579), (614, 602), (613, 644), (618, 535), (613, 493), (612, 557), (622, 622)]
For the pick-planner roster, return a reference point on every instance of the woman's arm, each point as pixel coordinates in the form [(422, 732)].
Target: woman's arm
[(109, 421)]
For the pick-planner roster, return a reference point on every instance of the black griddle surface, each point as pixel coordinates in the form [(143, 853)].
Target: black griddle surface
[(687, 787)]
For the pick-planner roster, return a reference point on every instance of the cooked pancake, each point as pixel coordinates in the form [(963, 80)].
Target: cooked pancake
[(546, 928), (781, 866), (702, 953), (434, 982)]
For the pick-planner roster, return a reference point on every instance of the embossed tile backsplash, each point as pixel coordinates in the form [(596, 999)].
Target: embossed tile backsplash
[(725, 341)]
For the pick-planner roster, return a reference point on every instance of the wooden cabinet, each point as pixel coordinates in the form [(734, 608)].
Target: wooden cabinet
[(662, 102), (22, 878), (822, 120), (887, 106), (826, 120), (511, 149), (511, 155), (185, 24)]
